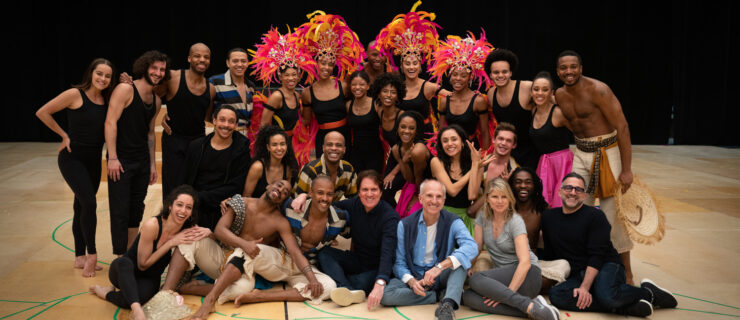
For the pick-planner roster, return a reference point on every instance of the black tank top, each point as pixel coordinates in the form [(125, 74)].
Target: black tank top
[(261, 186), (514, 114), (364, 127), (133, 128), (467, 120), (460, 200), (389, 136), (188, 111), (86, 124), (156, 269), (331, 110), (419, 104), (548, 138), (288, 116)]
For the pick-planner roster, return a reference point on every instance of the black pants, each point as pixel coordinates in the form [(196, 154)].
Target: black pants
[(389, 195), (81, 170), (122, 275), (319, 142), (126, 199), (174, 149), (366, 156)]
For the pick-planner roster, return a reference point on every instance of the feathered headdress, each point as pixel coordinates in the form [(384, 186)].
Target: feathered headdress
[(328, 36), (279, 51), (458, 53), (409, 34)]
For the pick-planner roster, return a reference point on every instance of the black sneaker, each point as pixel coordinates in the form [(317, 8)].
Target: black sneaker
[(662, 298), (640, 308), (445, 311)]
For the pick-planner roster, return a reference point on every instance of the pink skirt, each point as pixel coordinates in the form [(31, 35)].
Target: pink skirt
[(408, 192), (551, 169)]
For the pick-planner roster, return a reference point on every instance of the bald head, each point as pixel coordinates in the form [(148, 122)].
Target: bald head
[(199, 58), (334, 147), (199, 47)]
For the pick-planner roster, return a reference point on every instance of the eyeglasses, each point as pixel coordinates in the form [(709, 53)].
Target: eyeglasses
[(569, 188)]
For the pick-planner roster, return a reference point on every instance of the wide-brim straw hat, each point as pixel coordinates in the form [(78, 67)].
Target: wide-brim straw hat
[(640, 213), (166, 305)]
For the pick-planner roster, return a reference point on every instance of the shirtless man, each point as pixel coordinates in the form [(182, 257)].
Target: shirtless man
[(263, 223), (502, 163), (597, 121), (315, 228)]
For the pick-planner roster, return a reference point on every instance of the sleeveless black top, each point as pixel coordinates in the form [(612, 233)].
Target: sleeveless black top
[(364, 127), (389, 136), (156, 269), (468, 120), (86, 124), (514, 114), (261, 186), (133, 128), (548, 138), (331, 110), (460, 200), (419, 104), (288, 116), (188, 111)]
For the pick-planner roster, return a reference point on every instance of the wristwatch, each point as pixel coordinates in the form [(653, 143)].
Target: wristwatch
[(439, 265), (380, 282)]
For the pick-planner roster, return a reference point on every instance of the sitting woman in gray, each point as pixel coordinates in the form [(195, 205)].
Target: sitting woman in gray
[(508, 287)]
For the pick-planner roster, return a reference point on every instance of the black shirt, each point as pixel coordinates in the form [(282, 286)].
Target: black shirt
[(373, 234), (211, 170), (582, 238)]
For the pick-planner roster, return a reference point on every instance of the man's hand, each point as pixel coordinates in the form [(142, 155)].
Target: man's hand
[(298, 203), (373, 299), (625, 178), (166, 127), (584, 298), (315, 287), (125, 78), (431, 275), (225, 208), (152, 174), (418, 287), (251, 248), (114, 169)]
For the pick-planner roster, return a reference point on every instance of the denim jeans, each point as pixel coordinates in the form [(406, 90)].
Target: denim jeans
[(346, 269), (398, 293), (610, 291)]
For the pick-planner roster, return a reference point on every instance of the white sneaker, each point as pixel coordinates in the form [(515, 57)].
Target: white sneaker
[(345, 297)]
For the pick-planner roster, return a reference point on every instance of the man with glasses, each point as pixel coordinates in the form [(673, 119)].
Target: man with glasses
[(580, 234)]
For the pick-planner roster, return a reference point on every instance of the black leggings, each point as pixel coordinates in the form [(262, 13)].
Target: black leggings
[(133, 288), (126, 201), (81, 170), (174, 148)]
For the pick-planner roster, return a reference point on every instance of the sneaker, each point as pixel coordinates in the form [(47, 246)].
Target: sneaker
[(345, 297), (640, 308), (541, 310), (662, 298), (445, 311)]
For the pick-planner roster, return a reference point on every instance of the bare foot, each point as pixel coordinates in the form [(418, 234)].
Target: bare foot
[(80, 262), (205, 309), (100, 291), (137, 313), (91, 265), (246, 297)]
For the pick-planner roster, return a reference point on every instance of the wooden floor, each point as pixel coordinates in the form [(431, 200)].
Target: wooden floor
[(698, 188)]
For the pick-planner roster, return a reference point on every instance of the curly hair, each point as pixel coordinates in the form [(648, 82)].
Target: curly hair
[(501, 55), (465, 161), (539, 200), (263, 155), (142, 64), (172, 196), (388, 79)]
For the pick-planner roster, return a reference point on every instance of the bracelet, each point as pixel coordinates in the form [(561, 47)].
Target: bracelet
[(306, 269)]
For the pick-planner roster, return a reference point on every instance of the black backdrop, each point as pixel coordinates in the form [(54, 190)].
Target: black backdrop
[(659, 58)]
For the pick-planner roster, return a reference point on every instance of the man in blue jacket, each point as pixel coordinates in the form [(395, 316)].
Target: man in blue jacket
[(434, 252)]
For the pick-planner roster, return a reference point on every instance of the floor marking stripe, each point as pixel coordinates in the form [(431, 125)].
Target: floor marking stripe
[(712, 302), (54, 237), (399, 312), (709, 312)]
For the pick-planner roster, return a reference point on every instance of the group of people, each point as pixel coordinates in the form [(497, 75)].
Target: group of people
[(479, 185)]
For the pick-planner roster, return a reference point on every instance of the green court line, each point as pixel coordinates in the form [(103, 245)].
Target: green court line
[(21, 301), (478, 316), (54, 237), (709, 312), (334, 314), (231, 316), (717, 303), (24, 310), (115, 315), (47, 308), (56, 301), (401, 314)]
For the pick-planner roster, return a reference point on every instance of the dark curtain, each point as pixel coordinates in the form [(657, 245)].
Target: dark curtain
[(655, 56)]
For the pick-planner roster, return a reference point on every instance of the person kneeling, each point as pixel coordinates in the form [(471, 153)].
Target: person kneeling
[(426, 258)]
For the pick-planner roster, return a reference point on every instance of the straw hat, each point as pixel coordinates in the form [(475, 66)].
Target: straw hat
[(166, 305), (640, 214)]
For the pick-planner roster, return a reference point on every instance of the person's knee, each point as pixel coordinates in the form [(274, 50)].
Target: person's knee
[(477, 281), (326, 258), (559, 295)]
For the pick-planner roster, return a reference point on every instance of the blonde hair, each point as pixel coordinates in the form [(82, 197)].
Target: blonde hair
[(498, 184)]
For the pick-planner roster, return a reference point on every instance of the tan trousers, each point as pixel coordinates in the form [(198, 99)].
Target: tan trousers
[(272, 263)]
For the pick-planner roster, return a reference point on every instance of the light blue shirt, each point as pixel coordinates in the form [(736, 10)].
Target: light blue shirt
[(461, 246)]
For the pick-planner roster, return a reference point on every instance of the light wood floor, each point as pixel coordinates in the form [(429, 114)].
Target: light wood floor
[(698, 187)]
